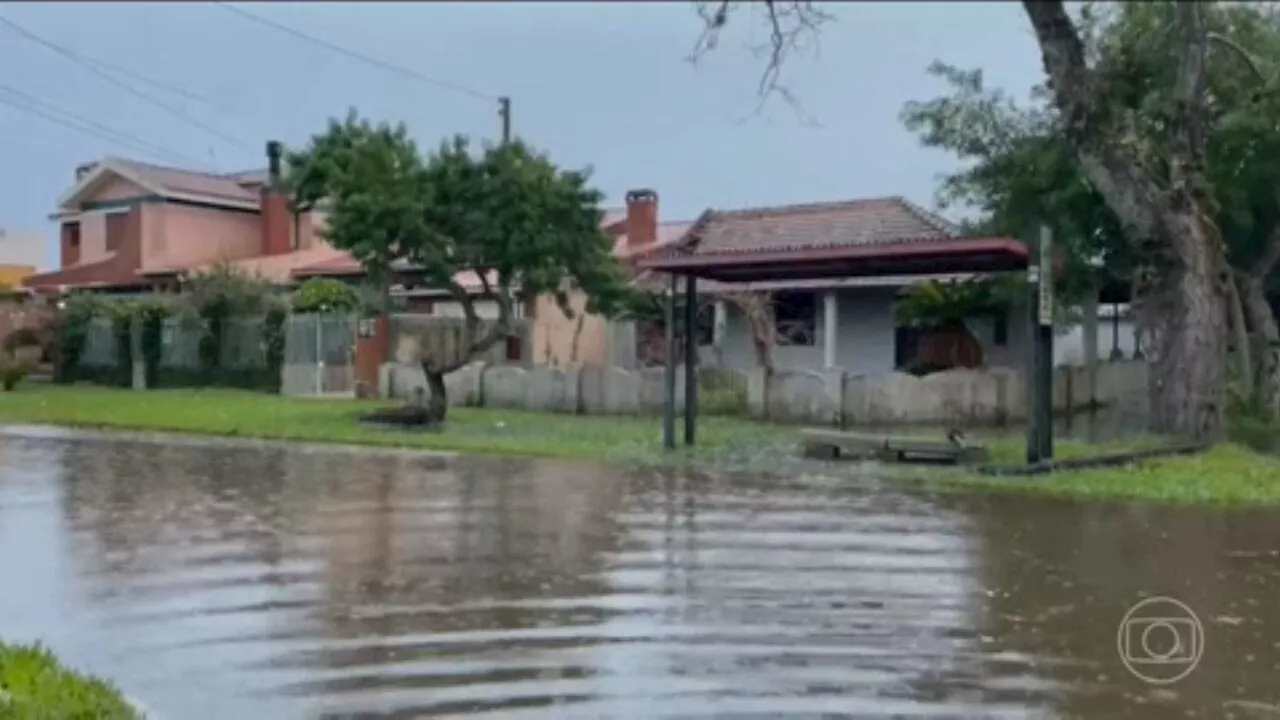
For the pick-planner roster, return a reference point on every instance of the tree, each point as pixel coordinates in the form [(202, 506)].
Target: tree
[(1020, 169), (326, 295), (1146, 160), (506, 216)]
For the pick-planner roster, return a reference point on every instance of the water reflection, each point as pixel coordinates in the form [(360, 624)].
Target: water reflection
[(223, 582)]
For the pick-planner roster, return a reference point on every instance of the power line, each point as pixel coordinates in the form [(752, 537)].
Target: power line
[(89, 65), (181, 92), (478, 94), (65, 118)]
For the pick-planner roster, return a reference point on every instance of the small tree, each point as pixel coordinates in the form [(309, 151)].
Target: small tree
[(506, 216), (323, 295)]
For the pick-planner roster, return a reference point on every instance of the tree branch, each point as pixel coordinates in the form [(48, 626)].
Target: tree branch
[(1189, 111), (789, 23), (1117, 178)]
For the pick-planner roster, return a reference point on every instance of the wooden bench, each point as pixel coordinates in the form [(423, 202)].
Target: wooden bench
[(836, 444)]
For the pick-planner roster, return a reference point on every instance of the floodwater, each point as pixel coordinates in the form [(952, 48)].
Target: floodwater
[(230, 582)]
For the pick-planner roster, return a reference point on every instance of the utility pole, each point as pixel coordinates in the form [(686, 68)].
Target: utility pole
[(504, 112)]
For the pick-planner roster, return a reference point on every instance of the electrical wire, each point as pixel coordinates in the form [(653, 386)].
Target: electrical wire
[(406, 72), (89, 65), (181, 92), (65, 118)]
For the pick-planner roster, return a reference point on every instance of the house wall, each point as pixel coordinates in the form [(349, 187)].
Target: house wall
[(116, 188), (184, 236), (553, 333), (865, 336)]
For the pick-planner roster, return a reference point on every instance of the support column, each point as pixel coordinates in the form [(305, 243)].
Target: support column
[(690, 361), (830, 321), (669, 373)]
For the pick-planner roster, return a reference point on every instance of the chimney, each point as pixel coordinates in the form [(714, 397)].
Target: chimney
[(277, 225), (84, 169), (642, 218)]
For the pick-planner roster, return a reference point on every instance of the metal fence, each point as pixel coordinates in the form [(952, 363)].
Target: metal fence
[(319, 355)]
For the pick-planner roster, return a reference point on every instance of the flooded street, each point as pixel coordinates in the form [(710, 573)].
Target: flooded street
[(226, 582)]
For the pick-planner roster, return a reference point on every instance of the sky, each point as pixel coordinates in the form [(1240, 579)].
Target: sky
[(606, 85)]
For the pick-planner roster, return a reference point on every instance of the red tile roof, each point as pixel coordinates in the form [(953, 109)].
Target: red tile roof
[(813, 226)]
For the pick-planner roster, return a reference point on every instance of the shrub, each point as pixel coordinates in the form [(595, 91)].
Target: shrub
[(33, 684), (12, 372), (323, 295)]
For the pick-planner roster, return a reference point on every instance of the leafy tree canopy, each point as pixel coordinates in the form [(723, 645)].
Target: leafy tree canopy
[(1019, 169), (524, 226), (321, 295)]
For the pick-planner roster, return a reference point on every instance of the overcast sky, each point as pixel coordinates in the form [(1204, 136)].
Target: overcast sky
[(603, 84)]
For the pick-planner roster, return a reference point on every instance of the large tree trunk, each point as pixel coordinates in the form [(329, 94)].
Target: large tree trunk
[(1263, 322), (1189, 360), (1186, 308)]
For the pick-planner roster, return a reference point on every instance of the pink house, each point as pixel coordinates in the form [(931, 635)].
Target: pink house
[(127, 225)]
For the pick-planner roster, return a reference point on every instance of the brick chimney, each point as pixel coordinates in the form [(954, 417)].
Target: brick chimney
[(642, 218), (277, 221)]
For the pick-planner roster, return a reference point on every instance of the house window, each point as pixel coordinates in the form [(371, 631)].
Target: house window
[(1000, 330), (705, 329), (117, 226), (531, 306), (71, 231), (796, 318)]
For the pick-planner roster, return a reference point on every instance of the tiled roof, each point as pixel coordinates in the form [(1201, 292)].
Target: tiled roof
[(188, 182), (811, 226)]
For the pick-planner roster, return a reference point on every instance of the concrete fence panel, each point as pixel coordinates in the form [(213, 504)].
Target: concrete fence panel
[(985, 396), (504, 386)]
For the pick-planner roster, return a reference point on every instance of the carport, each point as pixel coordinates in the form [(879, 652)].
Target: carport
[(938, 255)]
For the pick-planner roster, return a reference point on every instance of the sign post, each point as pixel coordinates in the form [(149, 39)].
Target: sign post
[(1040, 360)]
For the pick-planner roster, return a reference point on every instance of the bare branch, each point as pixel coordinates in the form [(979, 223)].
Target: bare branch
[(790, 23)]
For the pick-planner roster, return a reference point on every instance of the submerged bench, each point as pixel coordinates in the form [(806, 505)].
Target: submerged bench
[(837, 444)]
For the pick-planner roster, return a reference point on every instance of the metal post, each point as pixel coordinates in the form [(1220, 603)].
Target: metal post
[(1033, 351), (504, 111), (1044, 343), (669, 374), (319, 356), (690, 361)]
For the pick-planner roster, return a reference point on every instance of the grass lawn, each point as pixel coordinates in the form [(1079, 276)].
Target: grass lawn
[(34, 686), (1228, 475), (232, 413)]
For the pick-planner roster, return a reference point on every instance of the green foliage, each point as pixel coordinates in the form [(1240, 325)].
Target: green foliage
[(1019, 169), (937, 304), (214, 298), (70, 329), (211, 301), (35, 686), (323, 295), (505, 213)]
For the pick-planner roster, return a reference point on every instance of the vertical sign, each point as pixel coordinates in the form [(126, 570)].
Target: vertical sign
[(1046, 276)]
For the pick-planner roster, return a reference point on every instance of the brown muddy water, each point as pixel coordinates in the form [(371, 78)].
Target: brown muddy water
[(225, 582)]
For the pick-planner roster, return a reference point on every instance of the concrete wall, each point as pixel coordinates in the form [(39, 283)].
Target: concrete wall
[(800, 396), (553, 338)]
